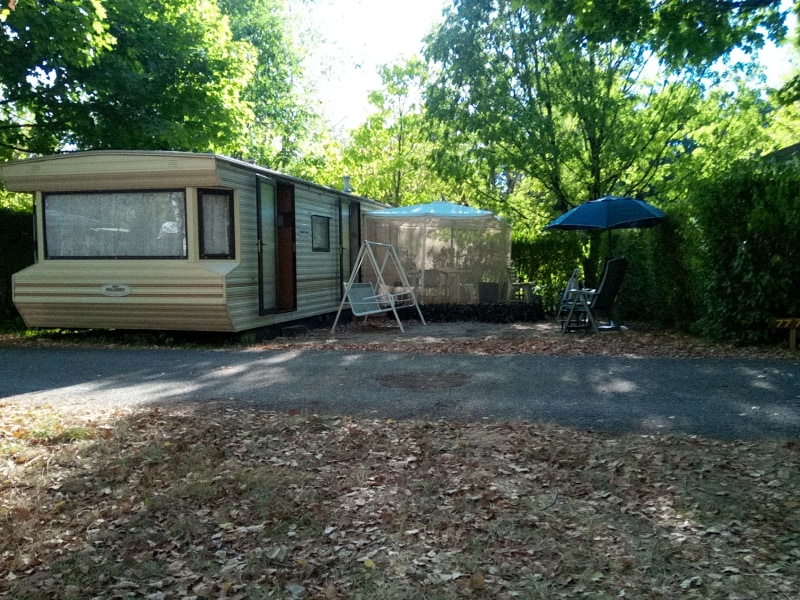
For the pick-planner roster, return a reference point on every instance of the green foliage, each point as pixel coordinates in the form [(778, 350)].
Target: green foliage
[(197, 75), (529, 97), (748, 224), (725, 261), (14, 201), (16, 253), (16, 246), (387, 157), (283, 122), (790, 93), (41, 44), (322, 162), (660, 281), (178, 82), (548, 260), (681, 31), (541, 97), (558, 103), (731, 123)]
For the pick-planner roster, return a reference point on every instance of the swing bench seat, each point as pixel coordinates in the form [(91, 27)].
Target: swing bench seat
[(364, 301)]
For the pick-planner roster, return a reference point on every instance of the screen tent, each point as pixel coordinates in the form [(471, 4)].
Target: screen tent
[(451, 253)]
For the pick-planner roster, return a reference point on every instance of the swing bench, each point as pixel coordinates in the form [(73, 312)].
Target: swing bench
[(364, 300)]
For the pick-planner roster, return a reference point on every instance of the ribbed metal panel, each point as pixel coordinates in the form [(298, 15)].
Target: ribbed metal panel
[(242, 282), (109, 170), (191, 317), (317, 282), (317, 272), (76, 294)]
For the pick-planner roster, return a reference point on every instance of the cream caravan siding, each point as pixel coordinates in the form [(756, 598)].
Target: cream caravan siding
[(183, 294), (112, 170), (241, 284), (173, 294), (123, 295), (317, 272)]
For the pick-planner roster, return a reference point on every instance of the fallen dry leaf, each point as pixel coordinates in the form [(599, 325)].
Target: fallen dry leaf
[(220, 500)]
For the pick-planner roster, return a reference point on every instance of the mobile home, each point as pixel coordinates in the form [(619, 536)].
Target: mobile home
[(180, 241)]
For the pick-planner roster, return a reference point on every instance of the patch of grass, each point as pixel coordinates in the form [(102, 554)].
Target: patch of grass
[(62, 435)]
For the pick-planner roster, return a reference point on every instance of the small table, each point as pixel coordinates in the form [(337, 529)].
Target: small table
[(527, 290), (453, 282)]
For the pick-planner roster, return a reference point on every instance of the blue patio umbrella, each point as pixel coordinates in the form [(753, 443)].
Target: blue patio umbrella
[(607, 213)]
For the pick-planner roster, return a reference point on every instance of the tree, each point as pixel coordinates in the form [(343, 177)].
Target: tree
[(178, 84), (790, 93), (387, 156), (582, 114), (42, 43), (680, 32), (178, 78), (283, 122), (322, 161)]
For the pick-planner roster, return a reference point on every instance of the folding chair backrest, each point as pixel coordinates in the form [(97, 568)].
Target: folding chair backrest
[(610, 282), (574, 283)]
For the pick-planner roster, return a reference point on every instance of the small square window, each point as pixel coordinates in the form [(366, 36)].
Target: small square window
[(320, 234)]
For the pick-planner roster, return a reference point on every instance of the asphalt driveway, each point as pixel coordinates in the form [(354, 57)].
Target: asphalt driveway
[(720, 398)]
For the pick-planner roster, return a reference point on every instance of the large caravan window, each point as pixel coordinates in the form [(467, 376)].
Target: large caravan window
[(216, 224), (148, 224)]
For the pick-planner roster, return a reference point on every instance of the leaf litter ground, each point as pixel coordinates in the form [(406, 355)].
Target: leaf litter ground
[(233, 502)]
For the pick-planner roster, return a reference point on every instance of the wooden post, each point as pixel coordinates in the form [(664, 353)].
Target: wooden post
[(790, 323)]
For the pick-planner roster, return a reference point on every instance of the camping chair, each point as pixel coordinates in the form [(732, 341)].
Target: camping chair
[(569, 295), (579, 307)]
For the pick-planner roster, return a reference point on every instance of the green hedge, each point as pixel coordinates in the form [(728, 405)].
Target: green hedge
[(726, 262), (16, 253), (659, 283), (547, 260), (748, 263)]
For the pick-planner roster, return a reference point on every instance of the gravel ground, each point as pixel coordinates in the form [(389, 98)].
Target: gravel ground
[(635, 380), (544, 337)]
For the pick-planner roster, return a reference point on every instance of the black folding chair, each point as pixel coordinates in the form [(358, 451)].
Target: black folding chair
[(580, 306)]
